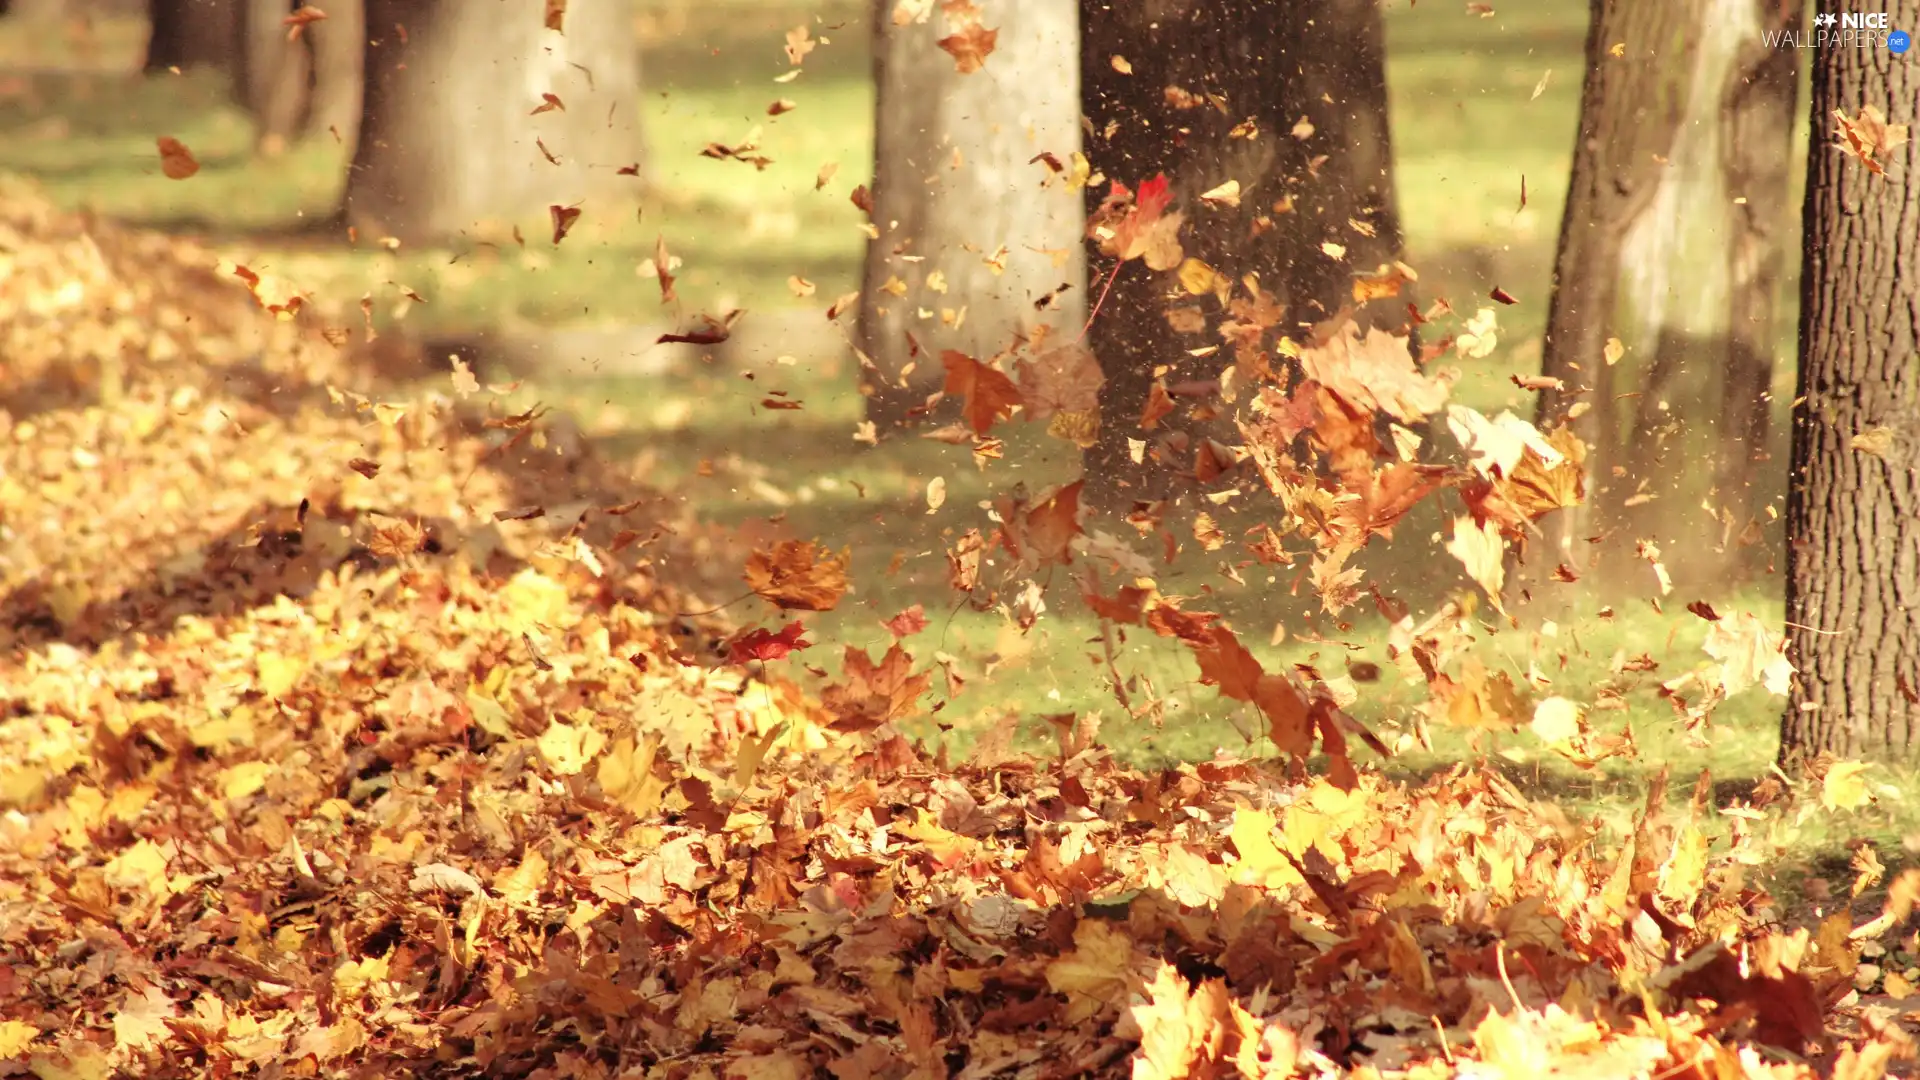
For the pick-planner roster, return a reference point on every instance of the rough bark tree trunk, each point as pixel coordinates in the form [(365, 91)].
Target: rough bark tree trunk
[(447, 143), (191, 33), (1179, 87), (1755, 132), (967, 226), (1853, 513), (1631, 108)]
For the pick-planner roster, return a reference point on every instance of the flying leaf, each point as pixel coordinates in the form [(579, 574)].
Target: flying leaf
[(176, 161), (873, 694), (1749, 654), (1482, 551), (762, 644), (1042, 534), (987, 394), (970, 46), (563, 219), (1376, 373), (1869, 137), (799, 44), (798, 575), (1062, 380)]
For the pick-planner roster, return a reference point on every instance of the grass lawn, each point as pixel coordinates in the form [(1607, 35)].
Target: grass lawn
[(1478, 105)]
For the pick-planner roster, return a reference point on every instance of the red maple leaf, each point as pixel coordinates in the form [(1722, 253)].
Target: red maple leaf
[(760, 643), (907, 623)]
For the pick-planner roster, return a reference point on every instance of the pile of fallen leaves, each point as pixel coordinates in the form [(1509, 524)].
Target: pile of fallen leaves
[(342, 733)]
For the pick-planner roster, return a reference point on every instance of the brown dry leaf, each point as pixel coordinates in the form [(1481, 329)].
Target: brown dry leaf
[(662, 267), (548, 103), (1384, 283), (1207, 532), (1041, 534), (563, 219), (970, 46), (1065, 379), (874, 694), (1869, 138), (176, 161), (1226, 194), (798, 575), (300, 19), (987, 394), (1159, 405), (1376, 373)]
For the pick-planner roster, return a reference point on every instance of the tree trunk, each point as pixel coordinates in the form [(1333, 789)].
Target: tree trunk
[(337, 45), (447, 143), (191, 33), (1631, 109), (274, 73), (1178, 87), (1755, 143), (1853, 514), (955, 185)]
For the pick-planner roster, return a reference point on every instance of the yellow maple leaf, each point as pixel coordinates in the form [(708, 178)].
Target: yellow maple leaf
[(522, 884), (1098, 974), (1845, 786), (1261, 861), (569, 747), (1483, 552)]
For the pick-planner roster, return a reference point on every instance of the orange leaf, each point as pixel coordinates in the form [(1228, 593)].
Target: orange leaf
[(176, 161), (798, 575), (987, 393), (1042, 535), (875, 694), (970, 46)]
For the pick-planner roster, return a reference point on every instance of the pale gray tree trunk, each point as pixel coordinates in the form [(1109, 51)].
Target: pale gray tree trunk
[(956, 192), (447, 143)]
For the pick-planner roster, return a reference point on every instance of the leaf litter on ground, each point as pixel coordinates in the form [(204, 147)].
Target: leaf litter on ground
[(311, 768)]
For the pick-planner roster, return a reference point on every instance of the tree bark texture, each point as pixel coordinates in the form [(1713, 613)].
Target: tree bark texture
[(191, 33), (1287, 99), (448, 143), (1853, 512), (1631, 108), (976, 233)]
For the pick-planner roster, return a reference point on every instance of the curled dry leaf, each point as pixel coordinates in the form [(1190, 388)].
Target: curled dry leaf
[(176, 161), (970, 46), (799, 43), (1869, 138), (563, 220), (556, 16), (301, 18), (798, 575), (1376, 373)]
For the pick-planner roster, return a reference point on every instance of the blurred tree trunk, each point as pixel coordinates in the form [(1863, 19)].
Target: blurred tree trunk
[(447, 143), (1756, 133), (1853, 511), (191, 33), (1178, 88), (337, 48), (1640, 69), (274, 73), (42, 11), (976, 232)]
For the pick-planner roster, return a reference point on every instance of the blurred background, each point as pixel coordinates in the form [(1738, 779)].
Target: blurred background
[(726, 143)]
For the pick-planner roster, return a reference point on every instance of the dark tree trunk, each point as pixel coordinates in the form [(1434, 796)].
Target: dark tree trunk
[(1270, 65), (1631, 109), (1755, 143), (191, 33), (447, 143), (954, 183), (1853, 514)]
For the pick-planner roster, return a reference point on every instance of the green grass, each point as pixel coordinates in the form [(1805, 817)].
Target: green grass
[(1468, 127)]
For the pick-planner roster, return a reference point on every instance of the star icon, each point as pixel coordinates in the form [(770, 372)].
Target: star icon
[(1825, 18)]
